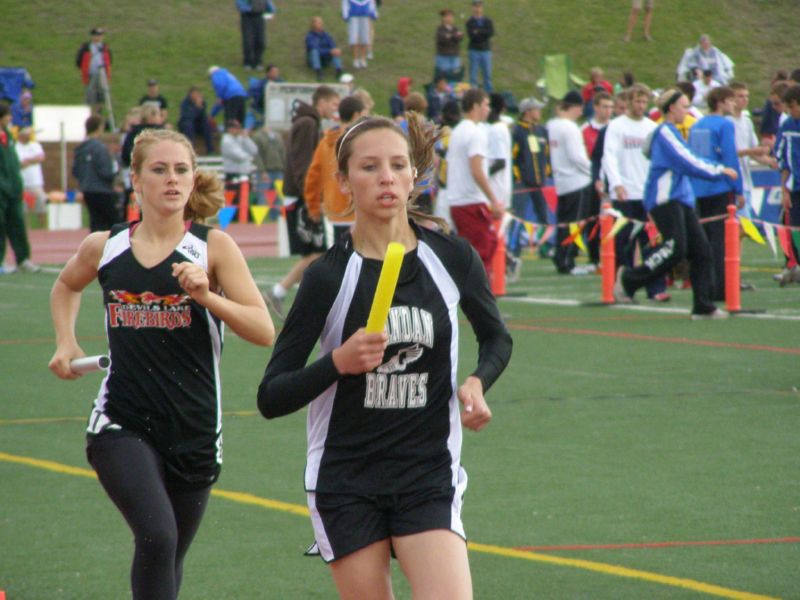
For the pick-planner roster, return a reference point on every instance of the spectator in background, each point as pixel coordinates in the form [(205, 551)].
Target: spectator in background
[(366, 100), (771, 123), (231, 94), (448, 47), (151, 118), (95, 169), (238, 155), (252, 14), (572, 172), (193, 120), (357, 14), (747, 149), (702, 87), (603, 108), (473, 205), (154, 97), (636, 8), (12, 218), (596, 83), (397, 101), (438, 95), (271, 158), (94, 61), (306, 238), (769, 118), (321, 191), (273, 75), (480, 30), (22, 111), (747, 144), (321, 49), (31, 157), (705, 56), (530, 151), (787, 151)]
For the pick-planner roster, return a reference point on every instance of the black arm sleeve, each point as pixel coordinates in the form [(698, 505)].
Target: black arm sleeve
[(478, 304), (498, 164), (288, 383)]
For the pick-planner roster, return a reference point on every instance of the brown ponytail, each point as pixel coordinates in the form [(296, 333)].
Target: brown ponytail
[(206, 198)]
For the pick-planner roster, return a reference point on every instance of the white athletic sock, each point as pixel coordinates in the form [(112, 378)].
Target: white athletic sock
[(278, 290)]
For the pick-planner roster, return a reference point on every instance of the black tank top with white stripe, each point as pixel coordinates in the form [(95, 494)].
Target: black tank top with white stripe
[(163, 382)]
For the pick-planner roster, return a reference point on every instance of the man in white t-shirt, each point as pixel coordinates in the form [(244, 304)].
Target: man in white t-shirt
[(625, 166), (572, 172), (747, 144), (473, 204), (31, 157)]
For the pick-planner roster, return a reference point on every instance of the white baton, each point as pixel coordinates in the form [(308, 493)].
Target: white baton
[(87, 364)]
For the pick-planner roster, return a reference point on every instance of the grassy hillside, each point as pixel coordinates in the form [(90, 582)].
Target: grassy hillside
[(176, 41)]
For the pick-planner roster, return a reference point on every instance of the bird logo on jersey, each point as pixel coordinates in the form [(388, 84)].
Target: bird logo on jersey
[(400, 360), (389, 386), (146, 309)]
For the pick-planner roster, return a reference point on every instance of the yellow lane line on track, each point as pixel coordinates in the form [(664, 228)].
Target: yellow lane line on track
[(299, 509)]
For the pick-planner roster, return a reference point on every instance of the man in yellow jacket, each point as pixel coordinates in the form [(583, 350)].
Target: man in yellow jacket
[(321, 192)]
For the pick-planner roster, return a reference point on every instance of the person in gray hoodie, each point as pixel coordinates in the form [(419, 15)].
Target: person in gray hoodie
[(94, 168)]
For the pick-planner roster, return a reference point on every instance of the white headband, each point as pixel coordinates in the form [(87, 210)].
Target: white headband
[(344, 137)]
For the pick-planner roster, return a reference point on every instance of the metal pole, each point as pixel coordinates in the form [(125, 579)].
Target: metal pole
[(107, 94), (63, 147)]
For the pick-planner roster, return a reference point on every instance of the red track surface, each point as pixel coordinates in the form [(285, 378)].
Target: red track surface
[(55, 247)]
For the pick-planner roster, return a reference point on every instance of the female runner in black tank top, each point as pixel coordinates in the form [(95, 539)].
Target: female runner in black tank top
[(154, 436)]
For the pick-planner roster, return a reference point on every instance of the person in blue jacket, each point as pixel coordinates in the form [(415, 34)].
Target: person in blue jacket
[(231, 93), (321, 49), (670, 201), (714, 138), (787, 151)]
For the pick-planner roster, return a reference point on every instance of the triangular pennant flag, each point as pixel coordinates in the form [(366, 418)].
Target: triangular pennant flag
[(259, 213), (278, 185), (785, 238), (229, 197), (575, 236), (770, 233), (751, 231), (618, 224), (225, 216), (269, 196), (529, 228), (637, 227)]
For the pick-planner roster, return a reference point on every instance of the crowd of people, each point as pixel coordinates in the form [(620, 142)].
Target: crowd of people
[(384, 430)]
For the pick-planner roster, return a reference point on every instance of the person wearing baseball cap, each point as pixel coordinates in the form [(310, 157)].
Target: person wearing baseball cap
[(94, 61), (530, 150), (154, 97)]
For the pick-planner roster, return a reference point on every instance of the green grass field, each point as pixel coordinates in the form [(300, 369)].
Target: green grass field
[(176, 42), (616, 431)]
